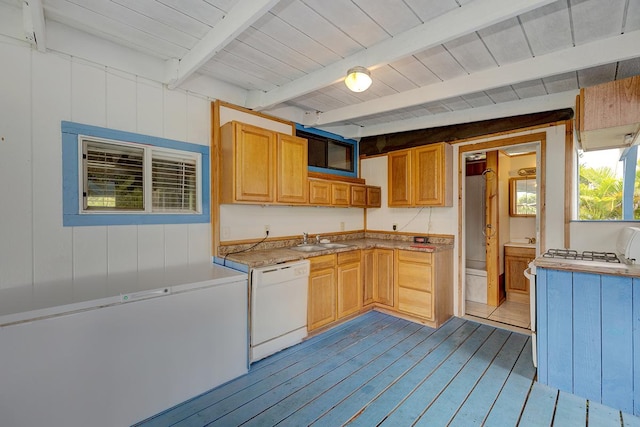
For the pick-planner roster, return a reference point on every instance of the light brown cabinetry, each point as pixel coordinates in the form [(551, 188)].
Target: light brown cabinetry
[(423, 283), (516, 261), (359, 196), (340, 194), (605, 113), (377, 276), (374, 196), (334, 288), (321, 305), (291, 170), (261, 166), (319, 192), (324, 192), (349, 276), (421, 176)]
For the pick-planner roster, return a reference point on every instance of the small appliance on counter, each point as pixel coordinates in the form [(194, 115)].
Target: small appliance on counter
[(628, 245)]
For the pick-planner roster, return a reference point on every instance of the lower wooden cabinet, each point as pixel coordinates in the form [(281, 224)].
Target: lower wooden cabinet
[(377, 276), (334, 288), (349, 278), (412, 283), (516, 261), (424, 285), (321, 305)]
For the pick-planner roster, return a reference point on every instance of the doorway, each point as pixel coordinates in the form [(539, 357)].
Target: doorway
[(487, 225)]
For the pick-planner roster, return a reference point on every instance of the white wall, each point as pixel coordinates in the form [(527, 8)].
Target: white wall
[(38, 91)]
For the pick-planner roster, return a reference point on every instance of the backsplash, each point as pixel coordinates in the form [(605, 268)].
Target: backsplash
[(284, 243)]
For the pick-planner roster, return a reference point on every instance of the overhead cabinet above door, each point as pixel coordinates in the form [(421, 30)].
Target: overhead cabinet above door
[(261, 166), (421, 176)]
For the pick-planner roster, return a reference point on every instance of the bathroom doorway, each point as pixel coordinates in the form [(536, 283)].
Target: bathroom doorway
[(488, 226)]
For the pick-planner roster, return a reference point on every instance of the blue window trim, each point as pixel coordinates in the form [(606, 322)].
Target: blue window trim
[(630, 159), (356, 154), (71, 215)]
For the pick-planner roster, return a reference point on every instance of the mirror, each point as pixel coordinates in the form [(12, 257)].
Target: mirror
[(523, 194)]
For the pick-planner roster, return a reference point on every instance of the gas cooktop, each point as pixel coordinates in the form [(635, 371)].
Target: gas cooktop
[(582, 256)]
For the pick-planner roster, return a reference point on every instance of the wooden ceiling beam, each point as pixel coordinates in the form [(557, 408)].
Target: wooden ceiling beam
[(599, 52), (239, 18)]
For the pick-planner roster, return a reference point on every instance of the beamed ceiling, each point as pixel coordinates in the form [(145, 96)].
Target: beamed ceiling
[(433, 62)]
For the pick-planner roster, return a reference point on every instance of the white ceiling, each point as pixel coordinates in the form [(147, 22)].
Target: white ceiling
[(433, 62)]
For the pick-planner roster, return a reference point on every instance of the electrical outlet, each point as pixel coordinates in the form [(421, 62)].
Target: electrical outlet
[(395, 227), (267, 229), (341, 225)]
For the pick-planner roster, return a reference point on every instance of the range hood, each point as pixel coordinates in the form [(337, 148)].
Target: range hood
[(608, 115)]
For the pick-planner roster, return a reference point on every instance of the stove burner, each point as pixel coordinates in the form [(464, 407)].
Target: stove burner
[(584, 256)]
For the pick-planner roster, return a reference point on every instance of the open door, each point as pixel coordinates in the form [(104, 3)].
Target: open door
[(491, 228)]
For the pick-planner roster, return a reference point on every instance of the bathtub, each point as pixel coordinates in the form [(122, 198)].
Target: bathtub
[(476, 281)]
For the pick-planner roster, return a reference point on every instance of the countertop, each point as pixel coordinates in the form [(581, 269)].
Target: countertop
[(596, 267), (521, 245), (260, 258)]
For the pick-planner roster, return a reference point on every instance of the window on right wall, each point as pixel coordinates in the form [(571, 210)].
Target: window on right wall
[(609, 185)]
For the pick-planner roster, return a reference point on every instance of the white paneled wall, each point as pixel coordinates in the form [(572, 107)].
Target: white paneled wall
[(38, 92), (238, 222)]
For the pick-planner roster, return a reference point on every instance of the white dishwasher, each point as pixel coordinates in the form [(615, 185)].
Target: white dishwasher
[(278, 307)]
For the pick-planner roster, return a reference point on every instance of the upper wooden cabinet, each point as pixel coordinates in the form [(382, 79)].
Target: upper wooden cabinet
[(421, 176), (359, 196), (243, 148), (607, 112), (374, 196), (291, 170), (261, 166)]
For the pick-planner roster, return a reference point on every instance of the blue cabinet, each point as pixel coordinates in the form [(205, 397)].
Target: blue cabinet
[(589, 336)]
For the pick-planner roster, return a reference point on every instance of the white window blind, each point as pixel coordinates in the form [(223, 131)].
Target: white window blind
[(174, 184), (122, 177)]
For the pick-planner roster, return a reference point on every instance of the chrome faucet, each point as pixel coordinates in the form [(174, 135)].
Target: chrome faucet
[(318, 239), (305, 238)]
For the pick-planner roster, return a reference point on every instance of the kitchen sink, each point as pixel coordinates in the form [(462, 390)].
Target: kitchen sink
[(334, 245), (308, 248)]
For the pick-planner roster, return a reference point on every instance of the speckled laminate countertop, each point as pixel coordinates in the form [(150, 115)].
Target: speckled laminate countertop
[(261, 258), (596, 267)]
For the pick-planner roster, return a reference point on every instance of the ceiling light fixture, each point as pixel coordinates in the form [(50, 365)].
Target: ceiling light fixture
[(358, 79)]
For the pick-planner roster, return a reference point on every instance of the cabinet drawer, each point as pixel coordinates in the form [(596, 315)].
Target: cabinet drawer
[(519, 251), (415, 256), (415, 302), (348, 257), (414, 276), (323, 261)]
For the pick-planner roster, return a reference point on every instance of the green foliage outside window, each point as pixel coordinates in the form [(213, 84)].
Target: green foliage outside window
[(600, 194)]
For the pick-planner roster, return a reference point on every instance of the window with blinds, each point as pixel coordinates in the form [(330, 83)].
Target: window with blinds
[(127, 177)]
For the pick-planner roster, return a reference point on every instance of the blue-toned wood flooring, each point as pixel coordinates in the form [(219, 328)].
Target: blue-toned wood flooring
[(380, 370)]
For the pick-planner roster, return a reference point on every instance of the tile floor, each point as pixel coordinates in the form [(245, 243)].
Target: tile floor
[(509, 312)]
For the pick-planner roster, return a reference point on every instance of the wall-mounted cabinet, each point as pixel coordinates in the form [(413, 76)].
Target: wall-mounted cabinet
[(324, 192), (365, 196), (261, 166), (421, 176), (607, 112)]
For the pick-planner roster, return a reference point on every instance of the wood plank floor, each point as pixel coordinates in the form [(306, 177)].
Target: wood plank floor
[(380, 370)]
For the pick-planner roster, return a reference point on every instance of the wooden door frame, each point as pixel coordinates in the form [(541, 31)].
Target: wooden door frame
[(495, 144)]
